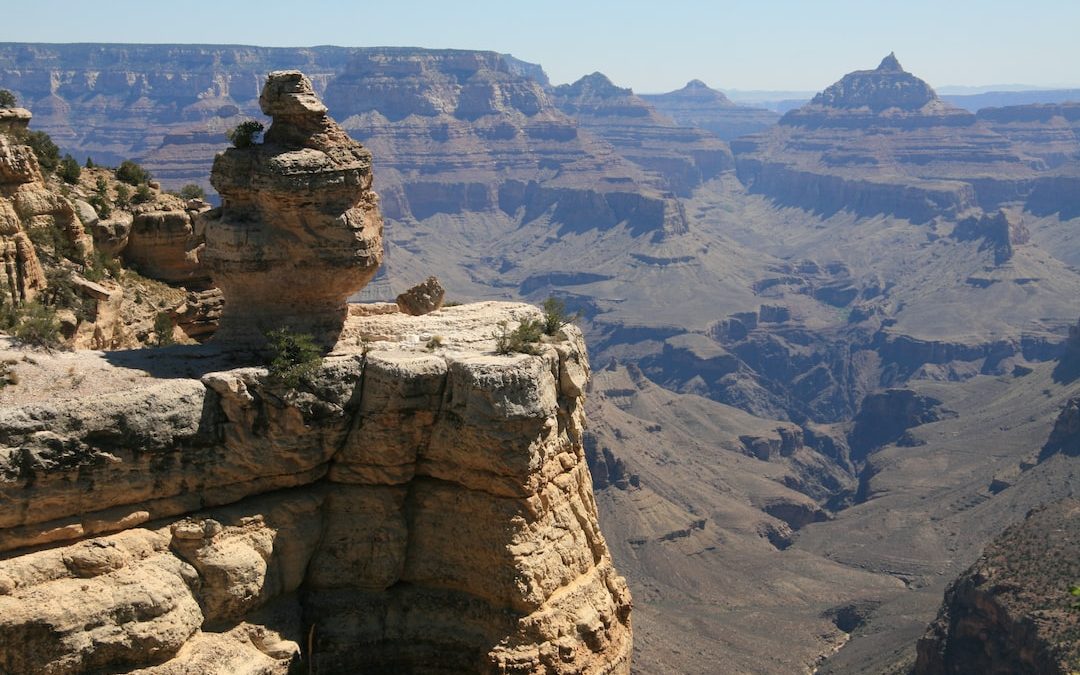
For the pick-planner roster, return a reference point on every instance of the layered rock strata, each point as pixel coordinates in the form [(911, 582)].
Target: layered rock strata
[(678, 158), (421, 511), (881, 141), (299, 228)]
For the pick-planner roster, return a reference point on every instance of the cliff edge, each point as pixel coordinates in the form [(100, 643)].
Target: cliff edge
[(406, 508)]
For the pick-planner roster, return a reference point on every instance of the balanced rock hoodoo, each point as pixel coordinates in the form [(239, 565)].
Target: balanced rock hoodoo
[(299, 228)]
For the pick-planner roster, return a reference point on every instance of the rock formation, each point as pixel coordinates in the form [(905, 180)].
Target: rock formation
[(22, 275), (678, 158), (1011, 612), (404, 510), (422, 298), (881, 141), (999, 232), (299, 228), (698, 105)]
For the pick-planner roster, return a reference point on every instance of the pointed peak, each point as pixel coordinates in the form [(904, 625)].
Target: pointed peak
[(890, 64)]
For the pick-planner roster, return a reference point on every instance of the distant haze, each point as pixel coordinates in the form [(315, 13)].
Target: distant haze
[(651, 46)]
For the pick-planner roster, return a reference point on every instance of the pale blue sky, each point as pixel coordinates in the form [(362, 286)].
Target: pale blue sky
[(652, 46)]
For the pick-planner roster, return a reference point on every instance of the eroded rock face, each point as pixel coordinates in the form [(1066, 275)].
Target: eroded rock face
[(1011, 611), (424, 511), (299, 228)]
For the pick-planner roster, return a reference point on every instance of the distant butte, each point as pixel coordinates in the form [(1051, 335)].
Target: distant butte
[(698, 105)]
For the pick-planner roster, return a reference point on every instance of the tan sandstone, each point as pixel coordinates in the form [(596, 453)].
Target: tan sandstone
[(406, 509), (299, 228)]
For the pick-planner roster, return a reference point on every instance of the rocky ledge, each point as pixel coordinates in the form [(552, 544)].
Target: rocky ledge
[(420, 504)]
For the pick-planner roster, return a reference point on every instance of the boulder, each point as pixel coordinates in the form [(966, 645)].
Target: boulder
[(422, 298)]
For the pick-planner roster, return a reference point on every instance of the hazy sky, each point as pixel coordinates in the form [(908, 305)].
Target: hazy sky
[(652, 46)]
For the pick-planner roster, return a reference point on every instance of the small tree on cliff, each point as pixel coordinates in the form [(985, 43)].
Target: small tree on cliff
[(293, 357), (243, 135), (131, 173), (7, 99)]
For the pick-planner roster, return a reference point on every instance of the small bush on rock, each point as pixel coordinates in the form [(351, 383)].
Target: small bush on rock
[(69, 170), (555, 316), (7, 99), (292, 357), (48, 155), (243, 135), (523, 339), (142, 195), (131, 173), (192, 191), (163, 328), (39, 327)]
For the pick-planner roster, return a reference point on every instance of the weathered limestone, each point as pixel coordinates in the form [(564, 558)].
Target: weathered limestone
[(299, 229), (428, 510)]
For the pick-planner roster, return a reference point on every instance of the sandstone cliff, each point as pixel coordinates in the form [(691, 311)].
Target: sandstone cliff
[(404, 509)]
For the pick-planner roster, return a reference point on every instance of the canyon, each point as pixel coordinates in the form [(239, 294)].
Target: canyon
[(829, 353)]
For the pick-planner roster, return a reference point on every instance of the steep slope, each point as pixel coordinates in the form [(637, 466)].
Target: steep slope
[(697, 105), (1011, 612)]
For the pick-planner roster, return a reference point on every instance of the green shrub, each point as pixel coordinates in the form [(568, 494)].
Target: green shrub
[(163, 328), (59, 288), (101, 266), (101, 205), (131, 173), (123, 196), (89, 162), (292, 357), (142, 195), (39, 327), (69, 170), (51, 240), (48, 155), (243, 135), (7, 99), (523, 339), (192, 191), (555, 316), (9, 314)]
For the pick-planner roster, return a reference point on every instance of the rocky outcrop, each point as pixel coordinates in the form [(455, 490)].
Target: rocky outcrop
[(678, 158), (420, 511), (1065, 436), (881, 141), (166, 245), (999, 232), (1012, 612), (885, 418), (299, 229), (697, 105)]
